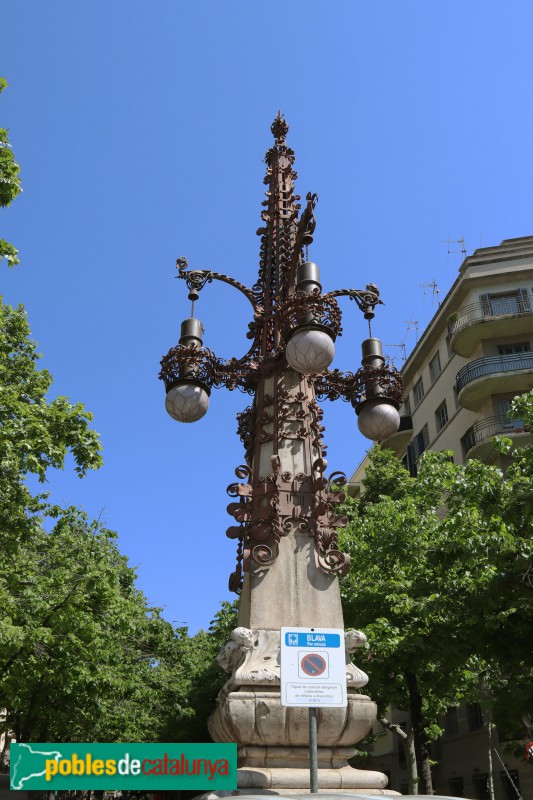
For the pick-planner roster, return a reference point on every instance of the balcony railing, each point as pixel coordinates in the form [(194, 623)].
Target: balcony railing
[(490, 308), (491, 365), (486, 428)]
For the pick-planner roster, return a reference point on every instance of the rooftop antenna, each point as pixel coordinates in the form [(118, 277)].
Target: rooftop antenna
[(460, 241), (412, 325), (403, 349), (435, 291)]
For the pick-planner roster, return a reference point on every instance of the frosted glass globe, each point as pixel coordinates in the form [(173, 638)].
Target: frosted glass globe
[(187, 402), (378, 420), (310, 351)]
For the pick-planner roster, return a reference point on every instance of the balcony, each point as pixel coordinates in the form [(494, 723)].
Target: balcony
[(399, 440), (496, 316), (493, 375), (477, 441)]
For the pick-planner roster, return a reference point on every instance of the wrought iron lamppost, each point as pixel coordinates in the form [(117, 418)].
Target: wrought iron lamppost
[(288, 561)]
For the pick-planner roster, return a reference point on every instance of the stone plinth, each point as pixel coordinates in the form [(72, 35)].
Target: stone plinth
[(256, 717)]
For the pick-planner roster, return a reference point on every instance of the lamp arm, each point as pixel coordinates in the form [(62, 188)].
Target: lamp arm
[(196, 279), (366, 299)]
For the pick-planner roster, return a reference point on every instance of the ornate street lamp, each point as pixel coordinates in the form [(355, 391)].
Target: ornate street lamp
[(288, 561)]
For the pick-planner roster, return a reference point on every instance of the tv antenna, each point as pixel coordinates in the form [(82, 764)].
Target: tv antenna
[(450, 242), (412, 325), (435, 291), (403, 349)]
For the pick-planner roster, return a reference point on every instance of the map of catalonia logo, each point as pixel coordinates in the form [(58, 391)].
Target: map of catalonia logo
[(154, 767)]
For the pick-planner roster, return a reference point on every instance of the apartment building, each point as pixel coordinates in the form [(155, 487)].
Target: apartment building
[(475, 355)]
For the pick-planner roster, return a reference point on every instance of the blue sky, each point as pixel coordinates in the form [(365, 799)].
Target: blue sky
[(141, 127)]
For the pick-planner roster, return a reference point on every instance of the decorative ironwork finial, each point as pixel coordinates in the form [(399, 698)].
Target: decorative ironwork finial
[(279, 127)]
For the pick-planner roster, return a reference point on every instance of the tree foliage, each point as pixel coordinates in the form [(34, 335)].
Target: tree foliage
[(9, 185), (441, 585), (35, 433), (83, 657)]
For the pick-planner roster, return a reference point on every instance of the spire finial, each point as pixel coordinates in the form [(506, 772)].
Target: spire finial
[(279, 127)]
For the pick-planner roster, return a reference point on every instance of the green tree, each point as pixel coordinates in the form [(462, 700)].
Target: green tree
[(35, 433), (76, 635), (440, 577), (82, 655), (203, 677), (9, 185)]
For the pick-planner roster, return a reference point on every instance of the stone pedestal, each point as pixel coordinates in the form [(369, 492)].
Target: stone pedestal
[(273, 740), (265, 729)]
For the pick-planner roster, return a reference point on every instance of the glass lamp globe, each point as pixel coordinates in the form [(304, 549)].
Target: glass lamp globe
[(310, 351), (187, 401), (378, 419)]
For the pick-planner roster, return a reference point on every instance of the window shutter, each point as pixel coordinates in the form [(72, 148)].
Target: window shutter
[(411, 459)]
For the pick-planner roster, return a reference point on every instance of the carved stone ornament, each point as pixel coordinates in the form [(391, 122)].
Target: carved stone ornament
[(252, 658), (354, 676)]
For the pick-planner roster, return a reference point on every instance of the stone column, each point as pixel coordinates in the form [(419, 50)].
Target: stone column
[(288, 583)]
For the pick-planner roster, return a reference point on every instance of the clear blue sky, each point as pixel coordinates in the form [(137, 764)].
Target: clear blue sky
[(141, 129)]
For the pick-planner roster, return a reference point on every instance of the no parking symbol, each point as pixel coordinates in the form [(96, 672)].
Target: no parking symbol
[(313, 665)]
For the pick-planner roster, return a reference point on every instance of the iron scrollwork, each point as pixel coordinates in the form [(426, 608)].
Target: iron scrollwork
[(268, 507), (350, 386)]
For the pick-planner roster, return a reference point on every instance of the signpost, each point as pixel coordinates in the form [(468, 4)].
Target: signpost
[(313, 675)]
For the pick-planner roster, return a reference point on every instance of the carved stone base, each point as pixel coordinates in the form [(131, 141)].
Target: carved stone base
[(286, 778), (293, 757), (273, 740), (258, 718)]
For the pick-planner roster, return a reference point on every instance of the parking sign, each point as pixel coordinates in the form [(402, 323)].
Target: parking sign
[(313, 667)]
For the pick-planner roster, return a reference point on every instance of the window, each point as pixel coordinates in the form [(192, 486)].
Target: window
[(420, 442), (504, 407), (514, 347), (509, 302), (481, 786), (402, 761), (451, 725), (418, 391), (449, 346), (456, 786), (456, 397), (508, 779), (434, 367), (475, 717), (441, 415), (407, 406)]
